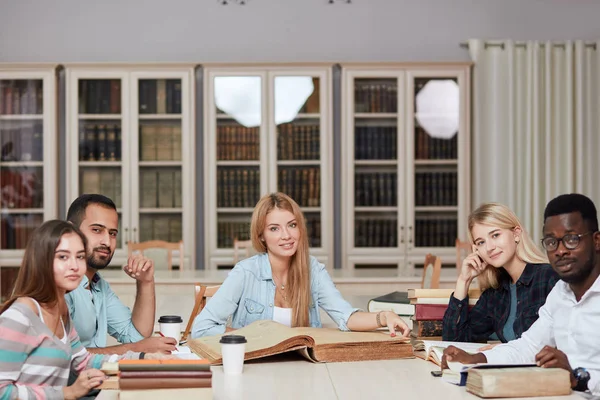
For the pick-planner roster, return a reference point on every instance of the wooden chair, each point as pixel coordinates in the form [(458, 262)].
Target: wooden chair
[(463, 249), (146, 248), (241, 247), (431, 272), (201, 293)]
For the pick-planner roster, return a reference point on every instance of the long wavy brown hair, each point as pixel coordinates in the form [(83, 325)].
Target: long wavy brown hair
[(36, 275), (499, 215), (299, 273)]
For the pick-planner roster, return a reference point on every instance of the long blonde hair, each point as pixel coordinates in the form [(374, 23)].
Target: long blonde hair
[(499, 215), (298, 281)]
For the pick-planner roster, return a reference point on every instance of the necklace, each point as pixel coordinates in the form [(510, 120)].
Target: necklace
[(281, 289)]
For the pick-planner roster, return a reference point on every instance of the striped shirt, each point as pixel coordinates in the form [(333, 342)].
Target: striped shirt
[(35, 363)]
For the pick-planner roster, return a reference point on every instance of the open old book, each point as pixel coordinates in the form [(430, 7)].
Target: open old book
[(433, 350), (266, 338)]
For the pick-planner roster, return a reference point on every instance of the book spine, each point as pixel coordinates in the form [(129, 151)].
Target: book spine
[(164, 374), (163, 383)]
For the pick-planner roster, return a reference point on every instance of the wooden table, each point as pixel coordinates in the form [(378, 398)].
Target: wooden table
[(294, 378)]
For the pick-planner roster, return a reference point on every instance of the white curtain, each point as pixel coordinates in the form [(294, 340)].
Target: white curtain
[(536, 121)]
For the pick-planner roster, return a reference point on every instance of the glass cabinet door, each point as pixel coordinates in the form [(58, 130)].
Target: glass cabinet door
[(238, 120), (297, 118), (21, 160), (100, 151), (435, 120), (159, 169), (376, 161)]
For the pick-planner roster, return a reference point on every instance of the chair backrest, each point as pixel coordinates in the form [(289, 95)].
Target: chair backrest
[(201, 292), (463, 249), (152, 249), (241, 249), (432, 268)]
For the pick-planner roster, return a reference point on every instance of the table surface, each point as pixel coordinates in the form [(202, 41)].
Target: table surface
[(289, 377)]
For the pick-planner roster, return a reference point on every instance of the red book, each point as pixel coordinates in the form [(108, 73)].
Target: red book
[(429, 312)]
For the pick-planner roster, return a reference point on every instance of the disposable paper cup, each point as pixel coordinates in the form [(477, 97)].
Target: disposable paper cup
[(233, 348), (170, 326)]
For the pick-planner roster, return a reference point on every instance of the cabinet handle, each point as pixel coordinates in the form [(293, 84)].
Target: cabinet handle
[(134, 234), (402, 234), (410, 240), (125, 236)]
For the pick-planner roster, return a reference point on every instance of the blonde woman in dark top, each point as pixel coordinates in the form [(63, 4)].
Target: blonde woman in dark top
[(513, 274)]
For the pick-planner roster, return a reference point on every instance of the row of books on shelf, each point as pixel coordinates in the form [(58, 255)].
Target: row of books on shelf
[(375, 143), (430, 148), (99, 96), (161, 227), (375, 189), (435, 232), (236, 142), (436, 189), (376, 233), (21, 97), (160, 96), (298, 142), (228, 230), (160, 142), (160, 188), (384, 233), (16, 229), (25, 143), (238, 187), (106, 181), (375, 96), (22, 187), (303, 184), (99, 142)]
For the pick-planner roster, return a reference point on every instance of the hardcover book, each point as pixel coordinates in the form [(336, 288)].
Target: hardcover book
[(266, 338)]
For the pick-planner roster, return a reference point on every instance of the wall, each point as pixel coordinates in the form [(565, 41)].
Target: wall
[(277, 30)]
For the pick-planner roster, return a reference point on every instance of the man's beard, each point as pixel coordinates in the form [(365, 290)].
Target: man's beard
[(96, 263)]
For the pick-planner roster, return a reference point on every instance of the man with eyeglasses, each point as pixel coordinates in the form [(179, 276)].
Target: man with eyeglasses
[(566, 333)]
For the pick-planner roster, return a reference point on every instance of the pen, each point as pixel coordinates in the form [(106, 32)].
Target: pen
[(161, 334)]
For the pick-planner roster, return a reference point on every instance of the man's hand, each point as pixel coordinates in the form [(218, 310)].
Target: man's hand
[(156, 344), (140, 268), (550, 357), (455, 354)]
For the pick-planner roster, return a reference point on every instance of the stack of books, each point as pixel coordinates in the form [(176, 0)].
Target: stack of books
[(430, 307), (137, 377), (397, 302)]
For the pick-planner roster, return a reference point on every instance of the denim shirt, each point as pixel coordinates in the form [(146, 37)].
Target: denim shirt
[(248, 294), (101, 313)]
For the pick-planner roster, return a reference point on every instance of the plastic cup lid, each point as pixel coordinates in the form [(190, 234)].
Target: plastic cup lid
[(170, 319), (233, 339)]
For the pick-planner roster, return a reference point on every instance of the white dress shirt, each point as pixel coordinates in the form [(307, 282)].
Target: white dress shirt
[(570, 326)]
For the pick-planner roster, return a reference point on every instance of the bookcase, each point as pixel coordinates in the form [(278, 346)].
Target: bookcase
[(267, 129), (405, 150), (130, 137), (28, 173)]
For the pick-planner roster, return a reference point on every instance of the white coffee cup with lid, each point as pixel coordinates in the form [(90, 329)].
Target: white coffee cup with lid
[(170, 326), (233, 349)]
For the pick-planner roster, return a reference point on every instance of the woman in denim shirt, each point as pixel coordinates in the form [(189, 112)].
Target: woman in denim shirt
[(283, 283)]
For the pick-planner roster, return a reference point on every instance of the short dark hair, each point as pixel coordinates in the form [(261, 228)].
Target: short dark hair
[(76, 213), (573, 202)]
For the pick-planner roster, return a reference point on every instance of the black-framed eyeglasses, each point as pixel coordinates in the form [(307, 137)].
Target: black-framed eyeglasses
[(570, 241)]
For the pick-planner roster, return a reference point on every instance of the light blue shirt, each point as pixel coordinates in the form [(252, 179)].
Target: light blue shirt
[(101, 313), (248, 294)]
